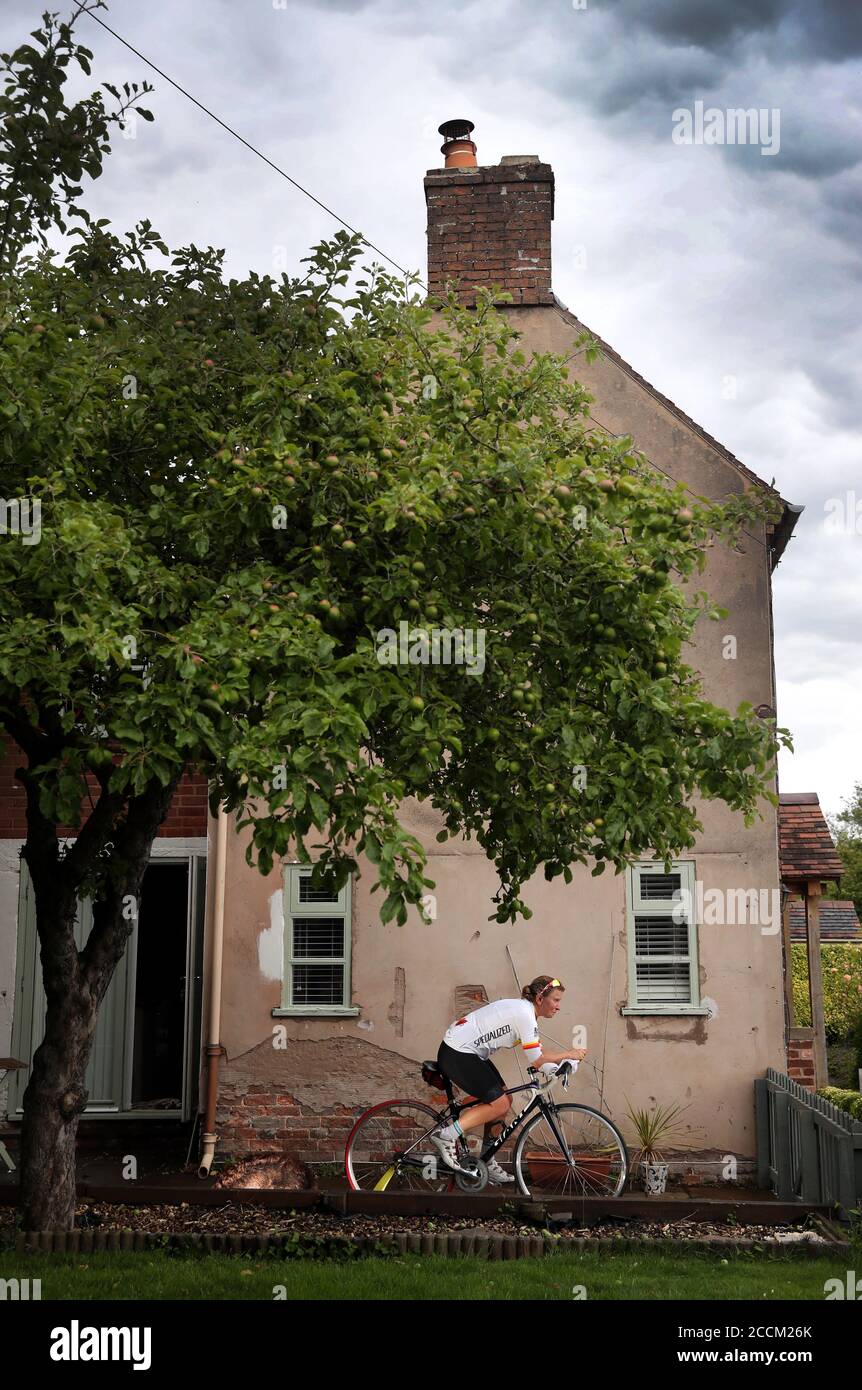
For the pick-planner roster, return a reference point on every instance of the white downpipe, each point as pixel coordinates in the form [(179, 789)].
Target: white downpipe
[(214, 1026)]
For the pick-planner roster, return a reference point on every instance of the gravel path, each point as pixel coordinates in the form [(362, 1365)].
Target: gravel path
[(255, 1220)]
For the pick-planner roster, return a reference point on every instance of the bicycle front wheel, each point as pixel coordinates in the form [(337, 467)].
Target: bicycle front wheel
[(595, 1162), (388, 1150)]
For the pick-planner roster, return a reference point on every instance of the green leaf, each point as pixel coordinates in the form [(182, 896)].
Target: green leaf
[(390, 907)]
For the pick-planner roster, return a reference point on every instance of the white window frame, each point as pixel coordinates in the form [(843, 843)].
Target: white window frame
[(638, 906), (341, 907)]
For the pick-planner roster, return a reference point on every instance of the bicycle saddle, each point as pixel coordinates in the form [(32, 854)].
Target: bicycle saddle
[(433, 1076)]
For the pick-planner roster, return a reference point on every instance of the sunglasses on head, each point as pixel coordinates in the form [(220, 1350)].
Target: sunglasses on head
[(554, 984)]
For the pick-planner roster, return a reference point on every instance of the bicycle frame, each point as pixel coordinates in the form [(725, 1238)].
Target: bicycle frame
[(538, 1102), (455, 1108)]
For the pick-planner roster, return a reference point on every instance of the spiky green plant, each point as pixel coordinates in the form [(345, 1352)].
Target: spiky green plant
[(654, 1126)]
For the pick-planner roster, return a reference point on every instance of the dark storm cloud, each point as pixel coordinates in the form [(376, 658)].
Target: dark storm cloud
[(704, 25), (811, 28)]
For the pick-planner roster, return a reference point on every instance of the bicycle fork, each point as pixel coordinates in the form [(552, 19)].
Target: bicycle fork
[(551, 1117)]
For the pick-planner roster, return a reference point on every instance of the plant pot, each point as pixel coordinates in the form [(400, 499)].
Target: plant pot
[(547, 1167), (654, 1177)]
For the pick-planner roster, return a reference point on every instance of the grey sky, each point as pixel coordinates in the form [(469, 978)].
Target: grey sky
[(729, 279)]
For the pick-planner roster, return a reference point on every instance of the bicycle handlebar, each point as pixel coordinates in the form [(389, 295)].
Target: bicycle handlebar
[(562, 1073)]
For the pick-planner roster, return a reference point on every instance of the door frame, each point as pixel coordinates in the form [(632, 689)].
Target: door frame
[(192, 852)]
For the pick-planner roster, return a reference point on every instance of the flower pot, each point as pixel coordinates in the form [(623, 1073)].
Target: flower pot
[(654, 1177), (547, 1168)]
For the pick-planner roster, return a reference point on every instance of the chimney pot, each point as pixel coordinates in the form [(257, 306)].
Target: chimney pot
[(458, 148)]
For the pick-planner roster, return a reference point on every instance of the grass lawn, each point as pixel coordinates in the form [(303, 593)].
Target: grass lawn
[(627, 1275)]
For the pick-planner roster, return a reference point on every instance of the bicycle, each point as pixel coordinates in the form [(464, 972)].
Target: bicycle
[(564, 1150)]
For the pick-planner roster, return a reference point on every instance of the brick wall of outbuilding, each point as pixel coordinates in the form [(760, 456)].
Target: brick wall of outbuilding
[(187, 815)]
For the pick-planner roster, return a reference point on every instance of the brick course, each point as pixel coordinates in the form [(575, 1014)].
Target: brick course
[(259, 1122), (491, 226), (800, 1061)]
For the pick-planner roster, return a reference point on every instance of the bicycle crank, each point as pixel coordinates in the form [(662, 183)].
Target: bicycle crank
[(474, 1180)]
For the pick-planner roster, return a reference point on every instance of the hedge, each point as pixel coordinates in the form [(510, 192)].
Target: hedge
[(851, 1101), (842, 988)]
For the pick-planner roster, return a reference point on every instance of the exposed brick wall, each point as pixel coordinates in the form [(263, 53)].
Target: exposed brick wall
[(491, 226), (187, 815), (800, 1059), (262, 1121)]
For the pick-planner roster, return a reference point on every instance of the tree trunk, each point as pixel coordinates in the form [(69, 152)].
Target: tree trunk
[(53, 1102), (55, 1094)]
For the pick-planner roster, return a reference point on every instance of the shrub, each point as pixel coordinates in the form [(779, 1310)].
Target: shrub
[(856, 1041), (851, 1101), (842, 996)]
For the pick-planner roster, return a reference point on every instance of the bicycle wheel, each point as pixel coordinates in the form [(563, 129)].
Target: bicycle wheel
[(388, 1150), (596, 1165)]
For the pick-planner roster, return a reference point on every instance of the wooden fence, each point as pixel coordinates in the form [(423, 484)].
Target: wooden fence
[(807, 1149)]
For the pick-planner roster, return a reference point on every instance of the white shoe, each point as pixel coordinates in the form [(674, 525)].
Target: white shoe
[(446, 1149), (496, 1173)]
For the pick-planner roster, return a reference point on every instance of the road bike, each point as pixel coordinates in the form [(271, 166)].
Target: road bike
[(567, 1150)]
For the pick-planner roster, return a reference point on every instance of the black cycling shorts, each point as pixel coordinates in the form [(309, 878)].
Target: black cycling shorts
[(475, 1076)]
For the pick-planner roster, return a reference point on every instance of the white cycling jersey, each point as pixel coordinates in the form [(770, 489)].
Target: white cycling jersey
[(504, 1023)]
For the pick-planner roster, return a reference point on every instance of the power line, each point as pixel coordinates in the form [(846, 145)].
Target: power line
[(247, 144)]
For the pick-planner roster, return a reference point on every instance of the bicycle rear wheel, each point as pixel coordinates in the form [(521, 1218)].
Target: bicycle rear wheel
[(388, 1150), (596, 1163)]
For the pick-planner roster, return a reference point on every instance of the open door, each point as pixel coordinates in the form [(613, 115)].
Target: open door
[(147, 1043)]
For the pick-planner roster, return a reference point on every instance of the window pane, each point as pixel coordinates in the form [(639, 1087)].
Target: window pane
[(662, 983), (318, 936), (307, 894), (660, 936), (655, 886), (318, 984)]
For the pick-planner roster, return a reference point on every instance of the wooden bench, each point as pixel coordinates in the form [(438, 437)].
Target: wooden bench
[(8, 1064)]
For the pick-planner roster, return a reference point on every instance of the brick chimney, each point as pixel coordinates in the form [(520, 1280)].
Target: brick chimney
[(489, 224)]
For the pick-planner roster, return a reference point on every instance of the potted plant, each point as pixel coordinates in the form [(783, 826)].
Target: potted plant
[(653, 1128), (548, 1168)]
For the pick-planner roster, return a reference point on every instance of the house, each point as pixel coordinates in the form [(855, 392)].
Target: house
[(839, 923), (312, 1010)]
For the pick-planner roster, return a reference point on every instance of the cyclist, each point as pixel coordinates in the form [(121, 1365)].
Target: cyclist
[(466, 1049)]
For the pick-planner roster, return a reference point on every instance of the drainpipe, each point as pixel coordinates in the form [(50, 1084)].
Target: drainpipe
[(214, 1048)]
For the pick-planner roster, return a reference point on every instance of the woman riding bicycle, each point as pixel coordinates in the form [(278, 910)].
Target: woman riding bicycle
[(464, 1058)]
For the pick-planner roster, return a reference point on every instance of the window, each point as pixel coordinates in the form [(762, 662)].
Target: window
[(317, 947), (662, 940)]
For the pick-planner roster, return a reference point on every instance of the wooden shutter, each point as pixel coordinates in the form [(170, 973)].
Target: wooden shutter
[(662, 937)]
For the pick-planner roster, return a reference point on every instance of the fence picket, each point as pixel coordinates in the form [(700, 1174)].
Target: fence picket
[(807, 1148)]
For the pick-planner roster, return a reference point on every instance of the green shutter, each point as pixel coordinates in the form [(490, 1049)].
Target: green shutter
[(662, 941)]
